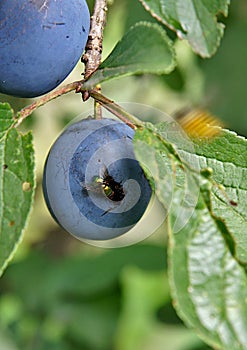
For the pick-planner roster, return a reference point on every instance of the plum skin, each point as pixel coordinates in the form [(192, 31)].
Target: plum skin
[(40, 43), (75, 158)]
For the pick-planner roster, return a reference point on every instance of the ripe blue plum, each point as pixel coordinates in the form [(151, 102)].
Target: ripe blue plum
[(40, 43), (93, 185)]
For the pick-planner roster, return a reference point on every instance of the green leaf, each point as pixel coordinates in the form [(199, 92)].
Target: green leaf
[(162, 163), (226, 155), (193, 20), (209, 285), (145, 48), (16, 185)]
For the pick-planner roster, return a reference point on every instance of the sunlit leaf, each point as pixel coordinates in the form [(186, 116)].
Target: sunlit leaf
[(209, 285), (193, 20), (16, 185)]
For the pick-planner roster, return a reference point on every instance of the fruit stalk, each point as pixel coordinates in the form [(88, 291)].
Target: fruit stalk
[(117, 110)]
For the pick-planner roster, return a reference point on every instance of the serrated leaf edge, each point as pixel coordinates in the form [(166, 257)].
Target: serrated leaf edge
[(182, 36), (18, 242)]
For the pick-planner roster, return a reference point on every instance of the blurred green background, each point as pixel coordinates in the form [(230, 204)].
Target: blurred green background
[(59, 293)]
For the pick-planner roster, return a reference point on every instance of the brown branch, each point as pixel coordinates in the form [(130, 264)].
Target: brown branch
[(93, 50), (28, 110), (77, 86)]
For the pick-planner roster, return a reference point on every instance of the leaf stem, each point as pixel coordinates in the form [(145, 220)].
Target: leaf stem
[(97, 105)]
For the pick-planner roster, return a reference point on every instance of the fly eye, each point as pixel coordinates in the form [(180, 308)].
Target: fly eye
[(108, 191), (113, 189)]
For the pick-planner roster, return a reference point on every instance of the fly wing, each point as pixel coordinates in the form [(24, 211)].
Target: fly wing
[(199, 123)]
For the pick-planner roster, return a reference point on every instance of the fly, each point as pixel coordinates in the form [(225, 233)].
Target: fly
[(105, 183)]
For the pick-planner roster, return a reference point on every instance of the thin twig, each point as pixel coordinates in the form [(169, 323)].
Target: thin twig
[(28, 110), (77, 86)]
